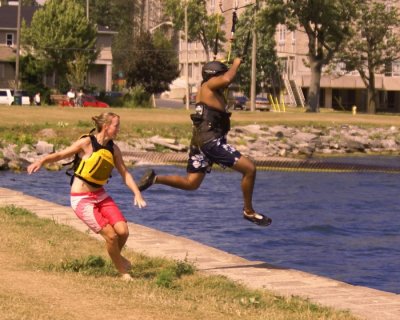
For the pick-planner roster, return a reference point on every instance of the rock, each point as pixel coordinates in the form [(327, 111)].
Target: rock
[(25, 148), (389, 144), (15, 165), (42, 147), (168, 143), (9, 152), (303, 137)]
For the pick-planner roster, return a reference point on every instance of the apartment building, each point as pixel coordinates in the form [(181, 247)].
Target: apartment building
[(99, 76), (338, 89)]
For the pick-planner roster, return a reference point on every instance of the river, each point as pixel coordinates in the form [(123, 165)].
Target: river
[(344, 226)]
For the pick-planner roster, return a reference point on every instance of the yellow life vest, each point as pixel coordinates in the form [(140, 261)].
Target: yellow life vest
[(96, 170)]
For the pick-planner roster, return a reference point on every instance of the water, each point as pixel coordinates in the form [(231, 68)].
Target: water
[(340, 225)]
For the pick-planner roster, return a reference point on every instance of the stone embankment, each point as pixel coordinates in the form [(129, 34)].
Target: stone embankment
[(256, 141)]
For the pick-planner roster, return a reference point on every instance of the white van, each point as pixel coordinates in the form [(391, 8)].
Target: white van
[(7, 97)]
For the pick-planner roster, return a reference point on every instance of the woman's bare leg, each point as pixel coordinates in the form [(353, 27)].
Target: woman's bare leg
[(113, 249)]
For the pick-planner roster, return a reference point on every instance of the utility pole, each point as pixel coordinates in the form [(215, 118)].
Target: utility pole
[(187, 56), (253, 63), (18, 46), (148, 14), (87, 10)]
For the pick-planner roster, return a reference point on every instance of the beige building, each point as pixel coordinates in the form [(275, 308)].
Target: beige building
[(100, 74), (338, 89)]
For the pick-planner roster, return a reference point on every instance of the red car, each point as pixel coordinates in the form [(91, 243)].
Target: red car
[(87, 101)]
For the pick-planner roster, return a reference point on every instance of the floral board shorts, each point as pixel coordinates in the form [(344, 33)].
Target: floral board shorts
[(96, 209), (216, 151)]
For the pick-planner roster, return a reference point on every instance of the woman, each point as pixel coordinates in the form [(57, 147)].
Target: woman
[(96, 156)]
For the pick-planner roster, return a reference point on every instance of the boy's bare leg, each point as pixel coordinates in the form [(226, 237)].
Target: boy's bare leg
[(191, 181), (247, 168)]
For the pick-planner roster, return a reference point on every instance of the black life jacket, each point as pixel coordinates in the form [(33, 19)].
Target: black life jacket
[(209, 124)]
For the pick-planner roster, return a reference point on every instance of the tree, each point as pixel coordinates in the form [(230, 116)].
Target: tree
[(201, 26), (155, 65), (77, 70), (373, 45), (58, 33), (265, 56), (327, 24)]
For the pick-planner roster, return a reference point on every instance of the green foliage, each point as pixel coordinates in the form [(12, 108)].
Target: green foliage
[(18, 137), (16, 211), (91, 265), (84, 124), (183, 268), (166, 277), (202, 26), (267, 61), (32, 72), (77, 70), (373, 45), (155, 64), (137, 97), (58, 33), (126, 20)]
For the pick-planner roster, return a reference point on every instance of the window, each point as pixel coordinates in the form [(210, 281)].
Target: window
[(190, 70), (9, 39), (396, 68), (282, 34)]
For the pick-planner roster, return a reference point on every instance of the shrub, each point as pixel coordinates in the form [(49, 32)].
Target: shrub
[(137, 97)]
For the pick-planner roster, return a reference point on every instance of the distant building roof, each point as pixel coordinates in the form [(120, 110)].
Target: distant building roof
[(8, 16)]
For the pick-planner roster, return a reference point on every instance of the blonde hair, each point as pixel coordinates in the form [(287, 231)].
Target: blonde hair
[(102, 119)]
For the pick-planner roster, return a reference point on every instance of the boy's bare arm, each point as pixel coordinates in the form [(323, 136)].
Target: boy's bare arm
[(225, 79)]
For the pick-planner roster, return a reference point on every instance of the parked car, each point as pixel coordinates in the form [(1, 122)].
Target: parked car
[(87, 101), (262, 104), (7, 97), (239, 103)]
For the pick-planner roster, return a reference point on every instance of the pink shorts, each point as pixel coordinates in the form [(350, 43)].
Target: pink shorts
[(96, 209)]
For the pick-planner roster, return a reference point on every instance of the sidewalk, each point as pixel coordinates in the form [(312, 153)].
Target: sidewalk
[(364, 302)]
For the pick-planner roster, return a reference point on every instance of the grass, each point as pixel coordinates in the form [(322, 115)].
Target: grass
[(23, 124), (52, 271)]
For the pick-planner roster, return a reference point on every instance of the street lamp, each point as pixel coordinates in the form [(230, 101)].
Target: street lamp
[(169, 23)]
